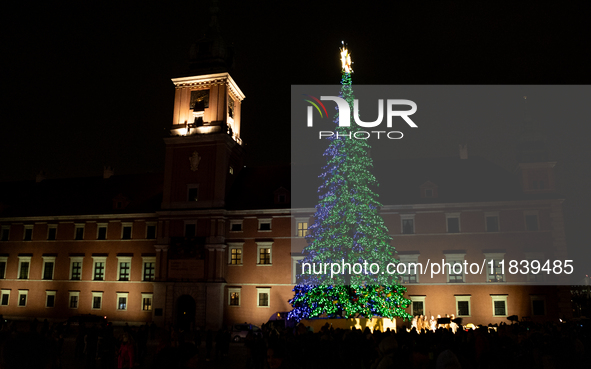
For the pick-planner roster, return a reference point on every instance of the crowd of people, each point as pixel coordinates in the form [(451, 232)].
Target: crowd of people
[(520, 345)]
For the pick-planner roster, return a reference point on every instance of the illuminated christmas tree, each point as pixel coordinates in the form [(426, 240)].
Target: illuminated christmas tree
[(348, 231)]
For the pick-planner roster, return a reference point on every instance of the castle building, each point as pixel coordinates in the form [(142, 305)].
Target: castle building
[(210, 242)]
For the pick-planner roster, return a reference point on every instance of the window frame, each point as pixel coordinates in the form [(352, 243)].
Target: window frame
[(407, 259), (2, 293), (265, 221), (127, 225), (49, 228), (145, 260), (449, 216), (266, 290), (122, 295), (232, 290), (50, 293), (237, 221), (417, 299), (193, 186), (78, 226), (495, 256), (73, 294), (147, 296), (76, 259), (152, 224), (26, 294), (5, 229), (98, 233), (404, 217), (96, 294), (123, 259), (21, 260), (294, 262), (235, 246), (492, 214), (463, 298), (4, 260), (452, 259), (531, 256), (28, 227), (48, 259), (265, 245), (499, 298), (99, 259), (301, 220)]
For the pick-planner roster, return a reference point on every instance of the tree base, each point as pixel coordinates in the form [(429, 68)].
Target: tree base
[(381, 324)]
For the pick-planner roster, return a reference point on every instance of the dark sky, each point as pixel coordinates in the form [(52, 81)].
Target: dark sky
[(88, 84)]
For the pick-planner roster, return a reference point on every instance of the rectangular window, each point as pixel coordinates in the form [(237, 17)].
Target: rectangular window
[(453, 225), (235, 226), (124, 271), (190, 230), (409, 273), (3, 261), (408, 226), (5, 298), (418, 305), (302, 229), (263, 297), (492, 223), (97, 302), (22, 298), (121, 301), (28, 233), (147, 301), (235, 299), (79, 234), (264, 224), (76, 270), (531, 222), (149, 271), (51, 233), (236, 257), (48, 269), (193, 193), (23, 270), (101, 232), (5, 233), (50, 299), (264, 256), (126, 231), (99, 270), (74, 296), (499, 305), (151, 231), (463, 306), (454, 276), (495, 273)]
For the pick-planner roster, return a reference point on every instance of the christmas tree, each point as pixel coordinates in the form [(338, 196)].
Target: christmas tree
[(349, 232)]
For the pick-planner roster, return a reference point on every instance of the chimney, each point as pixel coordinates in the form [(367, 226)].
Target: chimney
[(40, 176), (463, 151), (108, 171)]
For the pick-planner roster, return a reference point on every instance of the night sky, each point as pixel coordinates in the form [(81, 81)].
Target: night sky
[(88, 84)]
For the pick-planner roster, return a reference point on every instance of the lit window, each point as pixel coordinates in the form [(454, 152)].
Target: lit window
[(48, 267), (126, 231), (79, 232), (462, 306), (5, 297), (122, 300), (149, 268), (263, 297), (302, 229), (22, 297), (235, 254), (499, 305), (264, 253), (453, 222), (234, 296), (74, 297), (76, 268), (147, 301), (50, 299)]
